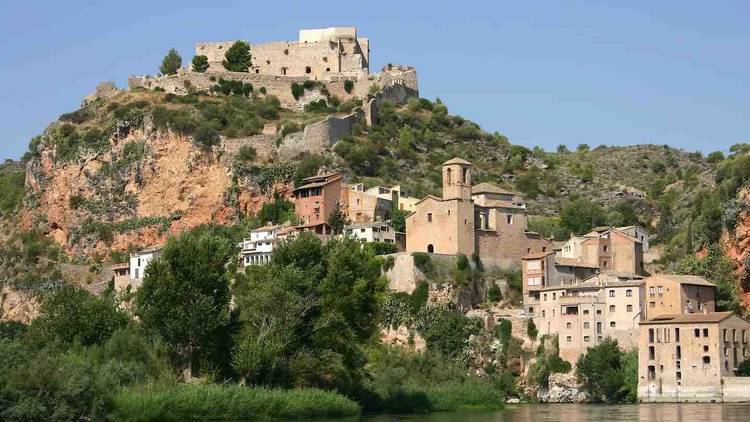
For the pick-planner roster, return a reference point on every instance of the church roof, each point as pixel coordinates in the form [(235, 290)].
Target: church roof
[(490, 188), (456, 160)]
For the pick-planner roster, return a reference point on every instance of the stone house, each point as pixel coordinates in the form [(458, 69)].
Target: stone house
[(318, 53), (669, 294), (121, 276), (584, 313), (139, 262), (609, 249), (483, 219), (371, 232), (316, 200), (363, 206), (692, 358)]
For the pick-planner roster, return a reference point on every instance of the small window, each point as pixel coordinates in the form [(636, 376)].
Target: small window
[(568, 325), (586, 325), (697, 332), (652, 291), (328, 69), (611, 308), (705, 332), (678, 352), (677, 335), (628, 293), (605, 247), (586, 339), (598, 311), (705, 349), (429, 217), (545, 296), (679, 376), (585, 311), (629, 308), (543, 313), (612, 293), (554, 296), (509, 218), (569, 339), (612, 324), (308, 69), (325, 59), (652, 304), (651, 353), (651, 372), (268, 62), (286, 51)]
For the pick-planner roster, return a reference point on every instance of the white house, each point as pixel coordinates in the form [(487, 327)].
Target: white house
[(258, 248), (372, 232), (138, 263)]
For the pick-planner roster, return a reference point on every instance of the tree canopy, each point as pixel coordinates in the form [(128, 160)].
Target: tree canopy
[(200, 63), (171, 62), (237, 58)]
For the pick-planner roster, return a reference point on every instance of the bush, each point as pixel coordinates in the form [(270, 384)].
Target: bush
[(381, 248), (277, 212), (232, 87), (297, 90), (237, 58), (171, 62), (743, 370), (12, 181), (200, 63), (445, 330), (348, 86), (206, 136), (602, 372), (423, 262), (213, 402), (246, 153), (494, 294), (319, 106), (531, 329)]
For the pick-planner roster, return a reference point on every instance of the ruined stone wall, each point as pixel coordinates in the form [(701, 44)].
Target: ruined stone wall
[(215, 52), (505, 250), (317, 137)]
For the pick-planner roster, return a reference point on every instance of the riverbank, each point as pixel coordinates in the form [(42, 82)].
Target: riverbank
[(213, 402)]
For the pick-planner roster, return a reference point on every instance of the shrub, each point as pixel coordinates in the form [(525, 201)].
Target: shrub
[(232, 87), (171, 62), (12, 181), (246, 153), (348, 86), (743, 370), (601, 372), (531, 329), (381, 248), (200, 63), (494, 294), (237, 58), (206, 136), (277, 212), (319, 106), (445, 330), (297, 90), (423, 262)]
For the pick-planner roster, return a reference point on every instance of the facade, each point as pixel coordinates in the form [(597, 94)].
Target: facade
[(609, 248), (692, 357), (258, 248), (668, 294), (584, 313), (316, 200), (482, 219), (138, 263), (372, 232), (403, 200), (366, 206), (121, 276), (317, 54)]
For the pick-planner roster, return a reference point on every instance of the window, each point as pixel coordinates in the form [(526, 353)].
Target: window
[(652, 304), (677, 335), (568, 325), (605, 264), (705, 332), (678, 364), (650, 335), (679, 376), (628, 293), (449, 176), (651, 372), (611, 293), (137, 273), (531, 309), (569, 339), (611, 308), (585, 311), (598, 311), (598, 327), (705, 349), (509, 218), (308, 69), (586, 325), (652, 291), (325, 59), (545, 296), (586, 339), (651, 353), (734, 334), (629, 308), (697, 332), (605, 247), (612, 324), (554, 296), (661, 290), (429, 217), (286, 51), (678, 352), (543, 313), (726, 337)]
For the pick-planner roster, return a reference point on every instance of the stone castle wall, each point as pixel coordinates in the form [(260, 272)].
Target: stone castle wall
[(317, 137)]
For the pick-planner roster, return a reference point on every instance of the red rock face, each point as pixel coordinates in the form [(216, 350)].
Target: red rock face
[(737, 245)]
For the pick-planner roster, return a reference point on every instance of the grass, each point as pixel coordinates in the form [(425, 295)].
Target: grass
[(223, 403)]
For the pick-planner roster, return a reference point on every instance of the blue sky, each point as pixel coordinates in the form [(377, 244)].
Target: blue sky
[(541, 72)]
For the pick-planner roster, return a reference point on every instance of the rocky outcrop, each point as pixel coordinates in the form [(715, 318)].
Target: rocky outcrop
[(563, 388), (737, 244), (317, 137), (17, 306), (104, 91)]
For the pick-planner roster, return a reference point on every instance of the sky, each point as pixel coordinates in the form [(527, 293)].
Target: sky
[(543, 73)]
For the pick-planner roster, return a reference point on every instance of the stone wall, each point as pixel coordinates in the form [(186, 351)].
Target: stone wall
[(736, 389), (404, 275), (505, 250), (317, 137)]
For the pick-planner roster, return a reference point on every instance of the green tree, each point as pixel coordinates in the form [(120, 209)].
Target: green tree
[(246, 153), (305, 316), (74, 316), (237, 58), (185, 294), (206, 135), (277, 212), (338, 219), (200, 63), (580, 215), (171, 62), (717, 268), (398, 220), (601, 372)]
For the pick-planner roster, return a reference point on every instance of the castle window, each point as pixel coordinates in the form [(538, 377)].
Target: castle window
[(430, 249), (283, 71), (705, 332), (568, 325), (569, 339), (651, 372), (449, 176), (257, 70), (464, 176), (429, 217), (308, 69), (325, 59), (509, 218), (651, 353), (328, 69)]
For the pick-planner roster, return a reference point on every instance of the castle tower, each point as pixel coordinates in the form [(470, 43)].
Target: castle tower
[(457, 179)]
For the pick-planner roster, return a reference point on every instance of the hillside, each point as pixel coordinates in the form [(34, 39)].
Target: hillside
[(132, 167)]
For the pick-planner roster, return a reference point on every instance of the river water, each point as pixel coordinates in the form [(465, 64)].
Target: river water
[(663, 412)]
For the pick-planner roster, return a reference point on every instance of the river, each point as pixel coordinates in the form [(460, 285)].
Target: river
[(663, 412)]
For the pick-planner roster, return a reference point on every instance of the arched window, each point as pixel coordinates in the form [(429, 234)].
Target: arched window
[(464, 176), (430, 249), (449, 176)]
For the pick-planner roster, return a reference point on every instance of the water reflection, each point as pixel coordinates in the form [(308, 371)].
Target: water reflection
[(666, 412)]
